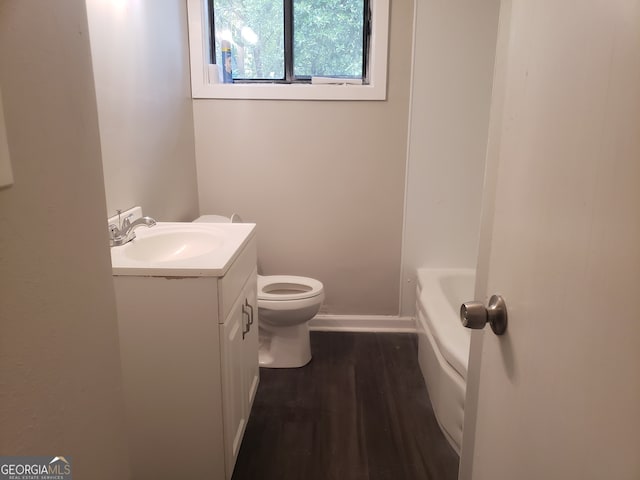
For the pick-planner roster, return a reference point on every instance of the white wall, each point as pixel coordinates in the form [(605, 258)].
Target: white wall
[(141, 65), (323, 180), (60, 376), (451, 91)]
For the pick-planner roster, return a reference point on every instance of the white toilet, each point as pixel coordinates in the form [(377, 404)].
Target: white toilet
[(285, 306)]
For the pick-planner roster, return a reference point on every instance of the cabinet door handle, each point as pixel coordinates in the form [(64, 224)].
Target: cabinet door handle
[(247, 304), (247, 324)]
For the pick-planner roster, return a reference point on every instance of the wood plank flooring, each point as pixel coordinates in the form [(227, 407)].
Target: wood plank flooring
[(358, 411)]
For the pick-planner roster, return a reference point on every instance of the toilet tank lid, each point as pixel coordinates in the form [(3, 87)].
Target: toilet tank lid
[(212, 219)]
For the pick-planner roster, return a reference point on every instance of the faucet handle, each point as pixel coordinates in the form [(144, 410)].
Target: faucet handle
[(114, 234), (126, 222)]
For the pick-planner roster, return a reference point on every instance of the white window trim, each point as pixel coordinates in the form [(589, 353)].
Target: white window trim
[(202, 88)]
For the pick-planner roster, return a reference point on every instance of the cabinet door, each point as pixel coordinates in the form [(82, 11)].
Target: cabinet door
[(241, 374), (234, 410), (251, 370)]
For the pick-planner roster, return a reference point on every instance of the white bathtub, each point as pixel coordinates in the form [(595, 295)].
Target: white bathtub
[(443, 344)]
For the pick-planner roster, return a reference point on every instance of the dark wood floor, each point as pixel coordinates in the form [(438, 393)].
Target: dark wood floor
[(358, 411)]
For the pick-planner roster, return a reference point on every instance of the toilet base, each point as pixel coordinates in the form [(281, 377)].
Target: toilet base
[(284, 347)]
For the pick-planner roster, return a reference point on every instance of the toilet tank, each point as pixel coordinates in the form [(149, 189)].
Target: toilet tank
[(212, 219), (235, 218)]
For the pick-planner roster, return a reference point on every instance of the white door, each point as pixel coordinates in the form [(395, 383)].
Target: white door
[(559, 393)]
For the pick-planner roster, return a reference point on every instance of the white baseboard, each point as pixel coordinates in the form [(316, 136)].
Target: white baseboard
[(362, 323)]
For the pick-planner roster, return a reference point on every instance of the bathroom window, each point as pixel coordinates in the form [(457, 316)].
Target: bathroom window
[(290, 41), (289, 49)]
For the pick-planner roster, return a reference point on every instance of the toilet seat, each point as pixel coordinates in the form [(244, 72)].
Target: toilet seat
[(287, 288)]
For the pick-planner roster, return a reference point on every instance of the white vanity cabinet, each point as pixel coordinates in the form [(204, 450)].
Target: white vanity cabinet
[(189, 372)]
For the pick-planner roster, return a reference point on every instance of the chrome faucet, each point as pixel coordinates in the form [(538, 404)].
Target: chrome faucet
[(124, 232)]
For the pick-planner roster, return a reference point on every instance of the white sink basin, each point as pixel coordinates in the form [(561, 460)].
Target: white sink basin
[(170, 246), (181, 249)]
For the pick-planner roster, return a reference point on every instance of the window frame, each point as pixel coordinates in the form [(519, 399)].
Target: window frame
[(200, 40)]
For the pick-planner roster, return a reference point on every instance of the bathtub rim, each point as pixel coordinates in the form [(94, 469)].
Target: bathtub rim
[(452, 339), (445, 384), (448, 378)]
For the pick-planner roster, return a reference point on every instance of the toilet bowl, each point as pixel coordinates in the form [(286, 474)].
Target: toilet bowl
[(285, 305)]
